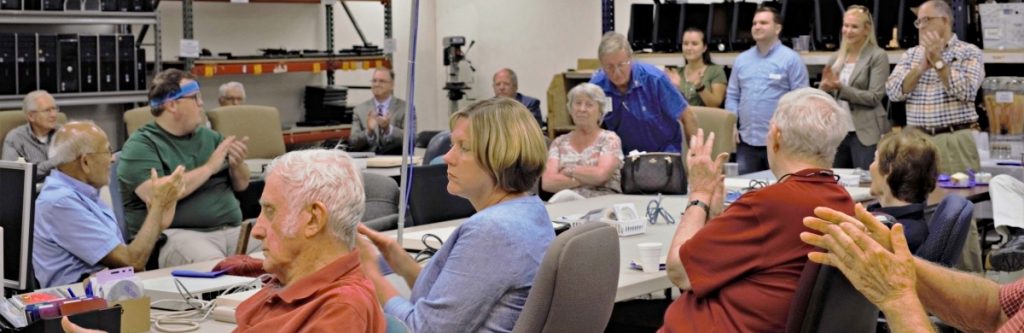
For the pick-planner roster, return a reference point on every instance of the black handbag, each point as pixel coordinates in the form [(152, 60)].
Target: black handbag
[(654, 173)]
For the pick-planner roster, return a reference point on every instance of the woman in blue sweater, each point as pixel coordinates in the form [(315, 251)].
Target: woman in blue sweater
[(480, 278)]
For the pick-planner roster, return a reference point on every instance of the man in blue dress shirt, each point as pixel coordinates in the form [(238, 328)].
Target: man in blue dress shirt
[(644, 107), (76, 233), (760, 76)]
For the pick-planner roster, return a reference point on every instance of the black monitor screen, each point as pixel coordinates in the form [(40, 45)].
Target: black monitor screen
[(829, 23), (908, 33), (744, 20), (641, 25), (796, 19), (668, 35), (697, 16), (886, 14), (16, 182), (721, 23)]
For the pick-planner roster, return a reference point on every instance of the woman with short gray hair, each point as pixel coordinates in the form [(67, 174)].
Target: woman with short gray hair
[(585, 162)]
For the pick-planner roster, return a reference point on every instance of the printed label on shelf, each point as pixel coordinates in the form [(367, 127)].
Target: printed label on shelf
[(1004, 97), (257, 69), (189, 48), (239, 1), (316, 67), (208, 71), (327, 2), (389, 45)]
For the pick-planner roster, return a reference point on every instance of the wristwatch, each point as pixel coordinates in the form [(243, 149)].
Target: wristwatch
[(699, 87), (701, 204), (938, 65)]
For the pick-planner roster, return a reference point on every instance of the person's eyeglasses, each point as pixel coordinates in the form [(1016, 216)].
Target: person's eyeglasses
[(52, 109), (194, 98), (616, 67), (920, 22), (654, 211)]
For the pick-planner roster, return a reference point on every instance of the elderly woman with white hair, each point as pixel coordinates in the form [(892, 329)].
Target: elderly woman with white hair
[(585, 162)]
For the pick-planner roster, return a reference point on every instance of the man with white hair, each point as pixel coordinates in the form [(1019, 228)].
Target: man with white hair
[(739, 268), (76, 233), (506, 84), (231, 93), (311, 206), (32, 140), (939, 79), (645, 107)]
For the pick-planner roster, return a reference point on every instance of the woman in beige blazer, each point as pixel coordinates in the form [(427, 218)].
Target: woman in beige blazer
[(856, 76)]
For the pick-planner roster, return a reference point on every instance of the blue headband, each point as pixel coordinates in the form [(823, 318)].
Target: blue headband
[(187, 89)]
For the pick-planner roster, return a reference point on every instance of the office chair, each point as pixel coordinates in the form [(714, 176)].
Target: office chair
[(947, 232), (719, 121), (574, 290), (825, 301), (136, 118), (381, 202), (14, 118), (423, 138), (438, 146), (262, 124), (430, 201)]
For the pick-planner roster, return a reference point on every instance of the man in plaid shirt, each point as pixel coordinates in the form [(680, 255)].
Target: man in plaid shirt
[(939, 80)]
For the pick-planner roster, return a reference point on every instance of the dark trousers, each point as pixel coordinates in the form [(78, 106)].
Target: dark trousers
[(853, 154), (751, 159)]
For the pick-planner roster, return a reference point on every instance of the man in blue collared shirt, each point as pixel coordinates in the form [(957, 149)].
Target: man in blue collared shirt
[(76, 233), (645, 108), (760, 76)]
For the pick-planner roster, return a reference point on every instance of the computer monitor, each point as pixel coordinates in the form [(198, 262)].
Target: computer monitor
[(697, 15), (908, 32), (668, 30), (887, 21), (17, 182), (829, 23), (742, 22), (796, 20), (721, 24), (641, 26)]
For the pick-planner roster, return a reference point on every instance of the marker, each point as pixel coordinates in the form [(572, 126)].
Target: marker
[(72, 293)]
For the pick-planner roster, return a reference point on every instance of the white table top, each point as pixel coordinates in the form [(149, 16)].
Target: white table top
[(632, 283)]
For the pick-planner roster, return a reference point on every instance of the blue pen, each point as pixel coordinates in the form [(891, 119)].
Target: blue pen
[(72, 293), (88, 289)]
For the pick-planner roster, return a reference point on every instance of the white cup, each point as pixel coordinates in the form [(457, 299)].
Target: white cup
[(732, 169), (650, 257)]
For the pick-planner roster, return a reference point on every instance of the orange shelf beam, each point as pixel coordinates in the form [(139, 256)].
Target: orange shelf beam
[(210, 68)]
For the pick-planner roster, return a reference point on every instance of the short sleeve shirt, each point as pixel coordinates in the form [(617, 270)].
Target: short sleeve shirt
[(607, 143)]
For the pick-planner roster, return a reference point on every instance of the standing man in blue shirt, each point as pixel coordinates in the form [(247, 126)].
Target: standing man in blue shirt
[(644, 107), (76, 233), (760, 76)]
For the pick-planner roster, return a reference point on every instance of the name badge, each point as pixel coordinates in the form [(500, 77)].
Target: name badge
[(607, 104), (774, 76)]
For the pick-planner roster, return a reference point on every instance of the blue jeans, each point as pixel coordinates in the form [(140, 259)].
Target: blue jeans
[(751, 159)]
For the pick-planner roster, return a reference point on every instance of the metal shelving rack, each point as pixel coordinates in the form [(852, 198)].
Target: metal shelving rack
[(122, 20), (208, 68)]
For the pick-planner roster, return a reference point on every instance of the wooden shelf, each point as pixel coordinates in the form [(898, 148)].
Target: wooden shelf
[(210, 68), (819, 58)]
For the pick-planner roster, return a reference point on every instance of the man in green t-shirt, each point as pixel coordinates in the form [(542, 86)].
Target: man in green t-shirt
[(205, 226)]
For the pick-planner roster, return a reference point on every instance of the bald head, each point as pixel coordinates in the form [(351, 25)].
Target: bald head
[(81, 150)]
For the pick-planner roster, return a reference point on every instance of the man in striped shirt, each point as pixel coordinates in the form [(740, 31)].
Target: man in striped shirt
[(939, 80)]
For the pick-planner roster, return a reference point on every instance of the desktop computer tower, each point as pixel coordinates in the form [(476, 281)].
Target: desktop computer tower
[(697, 16), (10, 4), (126, 62), (48, 62), (109, 5), (668, 29), (68, 66), (720, 27), (28, 77), (641, 25), (73, 5), (140, 69), (91, 5), (8, 70), (89, 65), (54, 5), (32, 5), (108, 62), (742, 22)]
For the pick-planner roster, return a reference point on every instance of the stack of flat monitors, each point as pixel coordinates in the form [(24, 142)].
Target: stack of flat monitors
[(70, 63), (325, 105), (641, 26), (79, 5), (668, 32)]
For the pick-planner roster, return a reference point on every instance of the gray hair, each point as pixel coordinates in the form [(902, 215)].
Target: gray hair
[(591, 91), (31, 100), (942, 7), (613, 42), (812, 124), (231, 85), (511, 75), (327, 176), (67, 148)]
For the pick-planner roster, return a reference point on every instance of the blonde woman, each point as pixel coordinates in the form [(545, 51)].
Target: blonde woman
[(856, 78), (585, 161)]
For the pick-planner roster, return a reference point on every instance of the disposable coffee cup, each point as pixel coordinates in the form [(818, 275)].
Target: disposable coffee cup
[(650, 257)]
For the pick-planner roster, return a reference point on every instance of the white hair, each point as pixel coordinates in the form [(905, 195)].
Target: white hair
[(31, 102), (231, 85), (591, 91), (327, 176), (67, 148), (613, 42), (811, 123)]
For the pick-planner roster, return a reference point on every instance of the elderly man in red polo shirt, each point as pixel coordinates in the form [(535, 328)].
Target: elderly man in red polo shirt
[(739, 268)]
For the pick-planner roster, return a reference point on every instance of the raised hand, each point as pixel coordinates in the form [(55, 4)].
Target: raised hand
[(703, 171)]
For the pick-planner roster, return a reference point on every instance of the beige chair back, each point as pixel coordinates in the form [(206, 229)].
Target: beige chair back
[(262, 124), (719, 121), (136, 118), (14, 118)]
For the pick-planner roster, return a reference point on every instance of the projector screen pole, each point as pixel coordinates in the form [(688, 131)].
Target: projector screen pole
[(410, 121)]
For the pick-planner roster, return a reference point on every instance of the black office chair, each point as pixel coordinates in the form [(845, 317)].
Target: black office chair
[(947, 231), (430, 201), (438, 146), (423, 138), (825, 301)]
